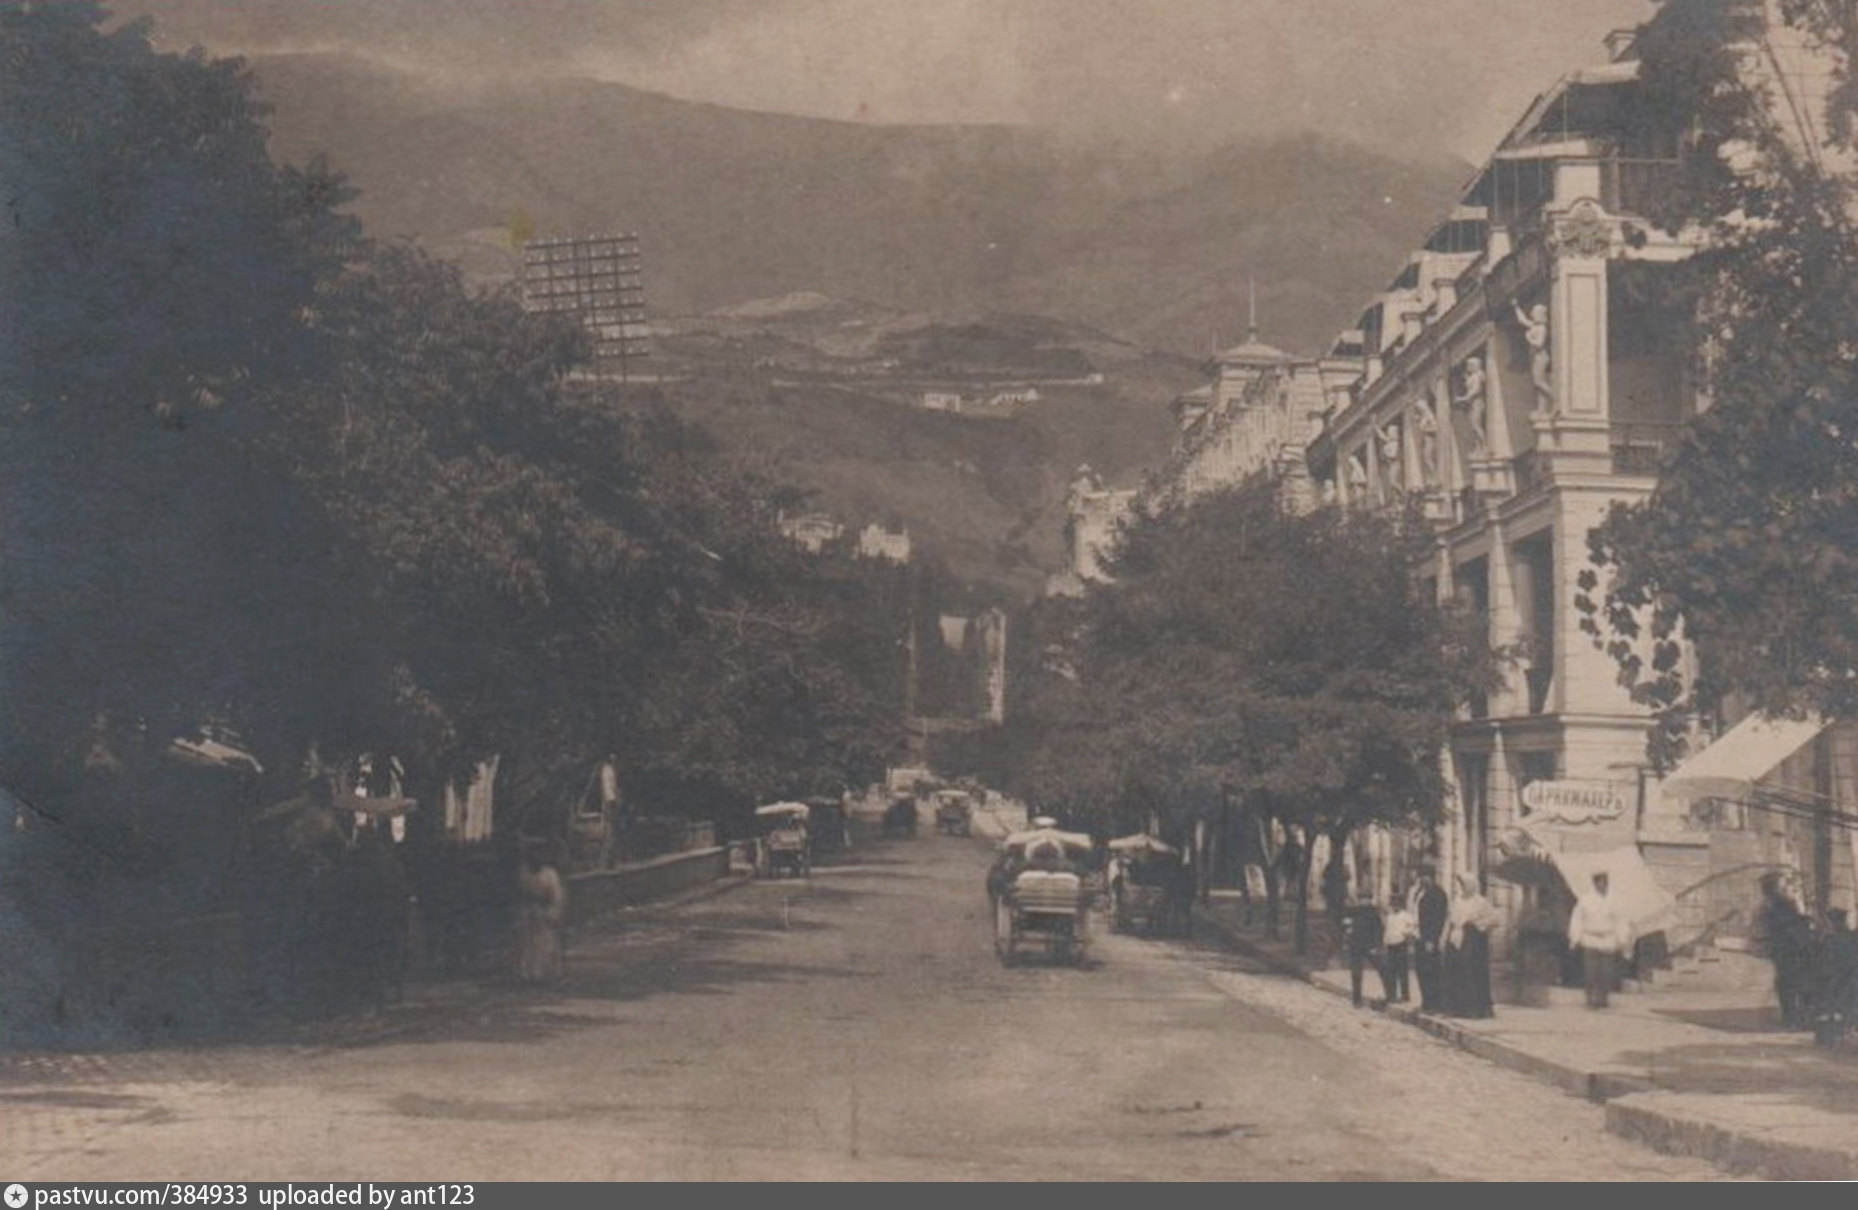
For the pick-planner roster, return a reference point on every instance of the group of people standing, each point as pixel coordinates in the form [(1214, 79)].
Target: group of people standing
[(1441, 941), (1815, 965)]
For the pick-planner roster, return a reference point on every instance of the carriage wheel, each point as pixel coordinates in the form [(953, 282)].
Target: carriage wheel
[(1013, 934)]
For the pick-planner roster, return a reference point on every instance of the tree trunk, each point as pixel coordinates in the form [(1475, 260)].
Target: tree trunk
[(1237, 854), (1269, 864), (1301, 881)]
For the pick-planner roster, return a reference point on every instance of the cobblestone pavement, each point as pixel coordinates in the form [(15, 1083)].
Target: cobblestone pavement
[(852, 1026)]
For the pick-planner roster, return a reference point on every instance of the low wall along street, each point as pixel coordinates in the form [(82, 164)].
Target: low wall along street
[(596, 894)]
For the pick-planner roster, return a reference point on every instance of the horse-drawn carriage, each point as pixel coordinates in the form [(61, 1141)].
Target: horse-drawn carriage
[(786, 845), (954, 812), (829, 825), (900, 815), (1039, 893), (1147, 885)]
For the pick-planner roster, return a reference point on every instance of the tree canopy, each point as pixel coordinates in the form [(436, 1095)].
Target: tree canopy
[(1748, 547), (264, 471), (1290, 662)]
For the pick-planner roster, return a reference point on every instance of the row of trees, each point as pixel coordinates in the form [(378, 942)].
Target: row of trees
[(1249, 665), (259, 469)]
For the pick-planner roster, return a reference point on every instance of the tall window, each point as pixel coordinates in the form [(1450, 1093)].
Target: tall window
[(1535, 591), (1471, 587), (1474, 796)]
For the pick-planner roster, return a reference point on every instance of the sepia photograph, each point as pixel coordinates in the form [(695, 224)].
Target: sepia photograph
[(782, 591)]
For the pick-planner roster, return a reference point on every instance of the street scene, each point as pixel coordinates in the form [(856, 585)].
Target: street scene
[(975, 589), (854, 1026)]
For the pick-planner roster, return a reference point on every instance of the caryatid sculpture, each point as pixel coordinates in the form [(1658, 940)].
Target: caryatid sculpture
[(1473, 398), (1393, 465), (1426, 436), (1534, 323), (1358, 474)]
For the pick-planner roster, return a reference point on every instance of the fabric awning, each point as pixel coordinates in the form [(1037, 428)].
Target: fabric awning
[(1070, 840), (1746, 753), (799, 810), (1635, 892)]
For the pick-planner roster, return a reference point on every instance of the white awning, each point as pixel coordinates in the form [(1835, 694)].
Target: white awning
[(1746, 753), (1632, 887)]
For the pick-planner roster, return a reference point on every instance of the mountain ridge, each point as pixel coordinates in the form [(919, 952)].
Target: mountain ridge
[(734, 205)]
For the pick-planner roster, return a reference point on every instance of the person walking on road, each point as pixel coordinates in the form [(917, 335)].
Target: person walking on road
[(1397, 932), (1431, 913), (1467, 952), (1598, 929)]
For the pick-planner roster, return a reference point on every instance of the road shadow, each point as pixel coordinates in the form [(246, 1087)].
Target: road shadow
[(1788, 1065), (1744, 1020)]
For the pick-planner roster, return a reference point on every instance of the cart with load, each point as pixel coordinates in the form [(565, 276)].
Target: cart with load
[(786, 847), (1039, 895), (954, 812), (1146, 883)]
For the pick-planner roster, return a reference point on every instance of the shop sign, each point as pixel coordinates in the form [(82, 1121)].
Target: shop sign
[(1573, 802)]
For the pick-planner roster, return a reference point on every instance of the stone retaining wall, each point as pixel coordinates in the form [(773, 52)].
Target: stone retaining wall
[(596, 894)]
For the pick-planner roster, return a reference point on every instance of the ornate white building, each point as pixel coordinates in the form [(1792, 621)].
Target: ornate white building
[(1510, 382)]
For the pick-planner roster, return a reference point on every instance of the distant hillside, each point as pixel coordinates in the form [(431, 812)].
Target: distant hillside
[(733, 205), (821, 392)]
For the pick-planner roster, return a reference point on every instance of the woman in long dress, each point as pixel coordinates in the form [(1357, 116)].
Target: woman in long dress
[(541, 917), (1467, 952)]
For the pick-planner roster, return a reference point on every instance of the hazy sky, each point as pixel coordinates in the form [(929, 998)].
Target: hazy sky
[(1443, 74)]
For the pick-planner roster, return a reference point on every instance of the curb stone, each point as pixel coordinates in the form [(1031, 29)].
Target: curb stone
[(1675, 1124), (1666, 1122)]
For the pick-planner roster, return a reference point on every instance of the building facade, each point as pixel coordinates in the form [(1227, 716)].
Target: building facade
[(1511, 383), (1255, 418)]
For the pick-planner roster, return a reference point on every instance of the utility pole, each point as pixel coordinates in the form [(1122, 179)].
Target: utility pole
[(911, 582)]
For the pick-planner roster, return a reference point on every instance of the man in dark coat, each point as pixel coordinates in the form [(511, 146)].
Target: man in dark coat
[(1837, 979), (1789, 937), (1362, 930), (1431, 909)]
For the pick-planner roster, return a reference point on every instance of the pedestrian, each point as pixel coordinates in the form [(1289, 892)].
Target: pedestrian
[(1838, 979), (541, 917), (1397, 932), (1431, 909), (1180, 896), (1361, 937), (1467, 952), (1335, 885), (1600, 932), (1789, 937)]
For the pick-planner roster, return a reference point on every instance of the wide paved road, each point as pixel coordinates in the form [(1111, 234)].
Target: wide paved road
[(853, 1027)]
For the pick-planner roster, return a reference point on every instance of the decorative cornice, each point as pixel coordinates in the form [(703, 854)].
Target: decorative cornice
[(1584, 231)]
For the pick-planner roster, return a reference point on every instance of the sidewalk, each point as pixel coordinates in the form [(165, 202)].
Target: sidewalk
[(1685, 1071)]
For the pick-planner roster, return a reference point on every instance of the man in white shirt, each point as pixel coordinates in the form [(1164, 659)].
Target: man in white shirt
[(1601, 933)]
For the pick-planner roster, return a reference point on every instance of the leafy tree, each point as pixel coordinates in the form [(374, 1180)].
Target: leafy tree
[(1247, 655), (1748, 548), (157, 271), (263, 470)]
